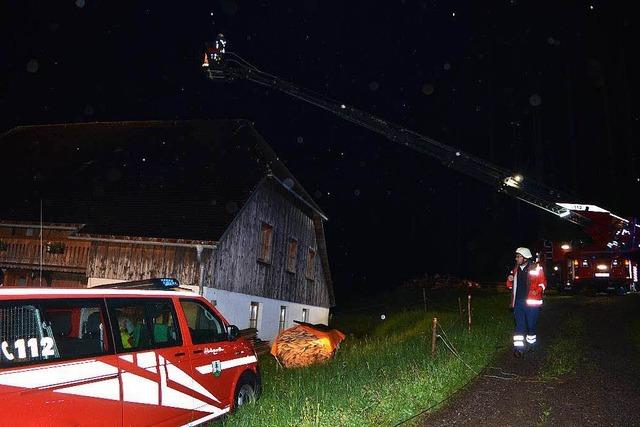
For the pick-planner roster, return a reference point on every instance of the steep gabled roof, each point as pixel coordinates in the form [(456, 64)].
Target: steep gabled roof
[(177, 179)]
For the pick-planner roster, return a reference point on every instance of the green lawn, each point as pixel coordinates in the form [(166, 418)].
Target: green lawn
[(383, 373)]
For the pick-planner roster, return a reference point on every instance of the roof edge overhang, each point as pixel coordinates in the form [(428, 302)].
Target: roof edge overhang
[(298, 197), (48, 225), (152, 241)]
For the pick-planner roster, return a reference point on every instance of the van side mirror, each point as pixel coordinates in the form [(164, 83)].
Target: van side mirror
[(232, 332)]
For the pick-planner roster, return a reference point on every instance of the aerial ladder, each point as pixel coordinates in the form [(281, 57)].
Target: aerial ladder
[(222, 65)]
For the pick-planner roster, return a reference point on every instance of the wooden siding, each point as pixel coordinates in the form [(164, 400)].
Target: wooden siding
[(235, 266), (124, 261), (25, 253)]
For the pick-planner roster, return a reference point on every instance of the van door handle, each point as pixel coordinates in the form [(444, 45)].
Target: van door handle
[(197, 351), (180, 354)]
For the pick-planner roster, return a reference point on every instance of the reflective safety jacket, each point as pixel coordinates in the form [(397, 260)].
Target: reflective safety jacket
[(537, 284)]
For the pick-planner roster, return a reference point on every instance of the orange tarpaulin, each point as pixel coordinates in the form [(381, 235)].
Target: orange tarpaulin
[(306, 344)]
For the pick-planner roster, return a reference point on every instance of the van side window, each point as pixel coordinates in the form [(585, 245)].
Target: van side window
[(37, 331), (143, 324), (204, 325)]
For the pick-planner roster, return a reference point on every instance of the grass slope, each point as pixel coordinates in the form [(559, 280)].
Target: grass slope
[(383, 373)]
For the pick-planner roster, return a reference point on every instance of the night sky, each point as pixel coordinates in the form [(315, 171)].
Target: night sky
[(548, 89)]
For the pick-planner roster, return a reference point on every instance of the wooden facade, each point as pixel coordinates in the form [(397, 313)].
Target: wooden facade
[(136, 261), (237, 266), (54, 260)]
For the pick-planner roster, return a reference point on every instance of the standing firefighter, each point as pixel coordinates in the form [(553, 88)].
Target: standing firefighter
[(527, 283)]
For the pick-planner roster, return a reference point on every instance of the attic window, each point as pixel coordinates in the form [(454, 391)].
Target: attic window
[(292, 255), (266, 239), (309, 271)]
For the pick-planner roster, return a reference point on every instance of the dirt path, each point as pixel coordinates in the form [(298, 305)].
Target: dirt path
[(603, 389)]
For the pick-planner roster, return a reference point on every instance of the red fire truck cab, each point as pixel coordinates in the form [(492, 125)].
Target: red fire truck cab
[(117, 357), (607, 261)]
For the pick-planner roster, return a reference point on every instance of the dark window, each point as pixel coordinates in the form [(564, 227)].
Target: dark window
[(253, 315), (142, 324), (42, 330), (292, 255), (266, 238), (310, 270), (204, 325)]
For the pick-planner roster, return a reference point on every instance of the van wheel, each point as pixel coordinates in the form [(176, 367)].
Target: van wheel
[(245, 392)]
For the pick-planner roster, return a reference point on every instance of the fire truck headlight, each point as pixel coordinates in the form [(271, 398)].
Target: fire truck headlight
[(555, 268), (602, 267), (565, 247)]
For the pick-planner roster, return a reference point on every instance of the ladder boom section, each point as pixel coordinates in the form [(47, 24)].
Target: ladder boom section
[(221, 66)]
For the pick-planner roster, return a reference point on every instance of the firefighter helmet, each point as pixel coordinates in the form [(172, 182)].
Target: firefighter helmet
[(525, 252)]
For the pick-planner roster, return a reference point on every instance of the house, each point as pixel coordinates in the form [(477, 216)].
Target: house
[(206, 202)]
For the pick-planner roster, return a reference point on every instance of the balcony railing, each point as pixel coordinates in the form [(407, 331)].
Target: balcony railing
[(17, 252)]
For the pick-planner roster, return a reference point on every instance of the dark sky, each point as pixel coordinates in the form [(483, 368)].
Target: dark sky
[(545, 88)]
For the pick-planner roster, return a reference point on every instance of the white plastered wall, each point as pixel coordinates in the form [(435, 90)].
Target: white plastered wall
[(235, 307)]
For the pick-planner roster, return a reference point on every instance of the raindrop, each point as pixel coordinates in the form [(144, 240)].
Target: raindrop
[(317, 194), (80, 3), (551, 41), (535, 100), (32, 66), (288, 182), (300, 140), (356, 192), (214, 202), (88, 110), (373, 86), (382, 317), (427, 89), (446, 66)]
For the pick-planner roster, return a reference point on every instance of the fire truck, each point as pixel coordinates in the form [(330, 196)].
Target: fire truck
[(606, 259)]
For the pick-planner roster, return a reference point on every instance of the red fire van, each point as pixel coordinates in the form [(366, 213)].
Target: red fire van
[(128, 357)]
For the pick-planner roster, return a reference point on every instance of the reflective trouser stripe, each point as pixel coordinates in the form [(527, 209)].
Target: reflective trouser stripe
[(518, 340), (531, 339), (518, 344)]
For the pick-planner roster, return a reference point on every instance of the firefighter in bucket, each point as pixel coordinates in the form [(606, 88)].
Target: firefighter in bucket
[(527, 284)]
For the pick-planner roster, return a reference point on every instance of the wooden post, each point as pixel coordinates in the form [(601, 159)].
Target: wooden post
[(424, 298), (434, 336), (469, 312)]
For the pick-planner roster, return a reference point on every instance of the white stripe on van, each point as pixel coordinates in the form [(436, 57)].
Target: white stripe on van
[(60, 375), (207, 369), (138, 389), (179, 376)]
